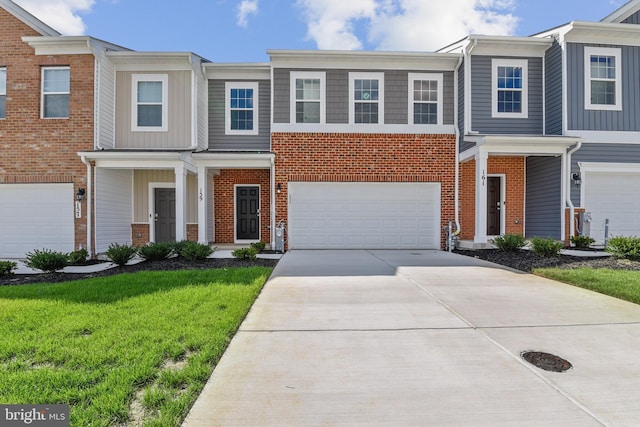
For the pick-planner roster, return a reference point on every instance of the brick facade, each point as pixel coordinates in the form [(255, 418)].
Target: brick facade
[(44, 150), (192, 232), (327, 157), (139, 234)]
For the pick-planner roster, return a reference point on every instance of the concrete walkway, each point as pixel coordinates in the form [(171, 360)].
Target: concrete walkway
[(416, 338)]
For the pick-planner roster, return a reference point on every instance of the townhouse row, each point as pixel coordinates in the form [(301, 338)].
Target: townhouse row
[(100, 144)]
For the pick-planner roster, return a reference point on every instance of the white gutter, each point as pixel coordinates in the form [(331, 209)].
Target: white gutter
[(468, 124), (273, 203), (572, 209), (89, 205), (456, 127)]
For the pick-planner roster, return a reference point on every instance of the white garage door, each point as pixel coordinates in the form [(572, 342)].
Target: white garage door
[(364, 215), (35, 216), (613, 196)]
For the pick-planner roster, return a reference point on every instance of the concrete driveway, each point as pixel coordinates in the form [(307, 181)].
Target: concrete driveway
[(423, 338)]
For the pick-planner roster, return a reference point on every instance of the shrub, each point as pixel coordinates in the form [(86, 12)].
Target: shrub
[(46, 260), (259, 246), (177, 246), (79, 256), (7, 267), (156, 251), (582, 242), (624, 247), (509, 242), (121, 254), (194, 251), (245, 253), (546, 247)]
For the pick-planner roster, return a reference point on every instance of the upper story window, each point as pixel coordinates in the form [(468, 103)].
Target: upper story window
[(603, 81), (308, 97), (150, 97), (425, 99), (366, 98), (3, 93), (55, 92), (241, 115), (509, 83)]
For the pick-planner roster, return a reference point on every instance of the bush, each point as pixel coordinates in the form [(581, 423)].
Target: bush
[(46, 260), (121, 254), (7, 268), (582, 242), (509, 242), (546, 247), (259, 246), (194, 251), (177, 246), (245, 253), (624, 247), (156, 251), (78, 257)]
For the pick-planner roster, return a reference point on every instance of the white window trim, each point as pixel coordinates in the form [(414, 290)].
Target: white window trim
[(227, 109), (135, 79), (425, 76), (3, 91), (295, 75), (602, 51), (495, 63), (352, 109), (42, 116)]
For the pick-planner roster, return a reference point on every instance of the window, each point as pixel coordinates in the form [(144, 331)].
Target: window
[(55, 92), (241, 108), (425, 99), (603, 88), (3, 93), (307, 97), (150, 97), (509, 96), (366, 98)]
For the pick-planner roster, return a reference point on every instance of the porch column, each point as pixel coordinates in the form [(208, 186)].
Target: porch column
[(181, 203), (202, 204), (481, 197)]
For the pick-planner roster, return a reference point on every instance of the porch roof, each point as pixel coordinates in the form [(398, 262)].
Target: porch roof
[(170, 159), (518, 145)]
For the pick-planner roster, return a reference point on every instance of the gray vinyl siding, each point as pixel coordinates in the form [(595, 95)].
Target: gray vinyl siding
[(553, 89), (633, 19), (106, 74), (281, 89), (217, 138), (594, 120), (543, 197), (482, 121), (396, 102), (337, 97), (602, 153)]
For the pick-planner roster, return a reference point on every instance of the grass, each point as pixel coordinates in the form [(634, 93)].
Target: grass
[(121, 349), (622, 284)]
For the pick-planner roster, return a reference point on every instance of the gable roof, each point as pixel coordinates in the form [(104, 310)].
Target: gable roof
[(30, 20), (623, 12)]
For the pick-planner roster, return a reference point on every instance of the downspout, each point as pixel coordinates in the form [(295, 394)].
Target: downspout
[(273, 202), (572, 209), (89, 205), (468, 123), (456, 129)]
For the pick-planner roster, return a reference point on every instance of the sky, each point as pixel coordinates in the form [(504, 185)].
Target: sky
[(243, 30)]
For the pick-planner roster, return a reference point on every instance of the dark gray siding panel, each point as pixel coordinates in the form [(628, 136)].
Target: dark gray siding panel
[(217, 138), (633, 19), (281, 90), (553, 90), (396, 92), (337, 96), (543, 197), (604, 153), (626, 120), (449, 99), (481, 100)]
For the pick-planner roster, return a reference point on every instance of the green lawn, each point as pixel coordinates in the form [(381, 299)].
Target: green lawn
[(616, 283), (124, 348)]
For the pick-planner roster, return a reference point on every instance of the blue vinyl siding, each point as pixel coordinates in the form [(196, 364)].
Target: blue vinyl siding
[(594, 120), (543, 197), (553, 89), (482, 121)]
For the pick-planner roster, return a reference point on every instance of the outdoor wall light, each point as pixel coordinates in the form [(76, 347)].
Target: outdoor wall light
[(576, 179), (278, 188), (80, 194)]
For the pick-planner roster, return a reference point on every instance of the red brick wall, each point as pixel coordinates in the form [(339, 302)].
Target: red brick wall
[(34, 150), (192, 232), (139, 234), (567, 229), (316, 157), (224, 196)]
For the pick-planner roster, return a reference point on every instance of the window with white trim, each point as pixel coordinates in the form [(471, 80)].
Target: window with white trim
[(425, 99), (366, 98), (307, 97), (56, 85), (509, 88), (603, 78), (3, 93), (241, 113), (149, 112)]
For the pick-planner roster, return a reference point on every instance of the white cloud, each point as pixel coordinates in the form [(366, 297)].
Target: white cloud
[(404, 24), (62, 15), (246, 8)]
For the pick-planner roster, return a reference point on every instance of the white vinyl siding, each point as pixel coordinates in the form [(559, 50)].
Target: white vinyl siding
[(603, 78), (241, 111), (509, 88), (56, 88), (308, 97), (425, 99), (113, 208), (366, 98), (149, 95)]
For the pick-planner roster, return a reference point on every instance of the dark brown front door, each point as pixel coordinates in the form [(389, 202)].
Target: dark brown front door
[(494, 205), (165, 214), (248, 213)]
